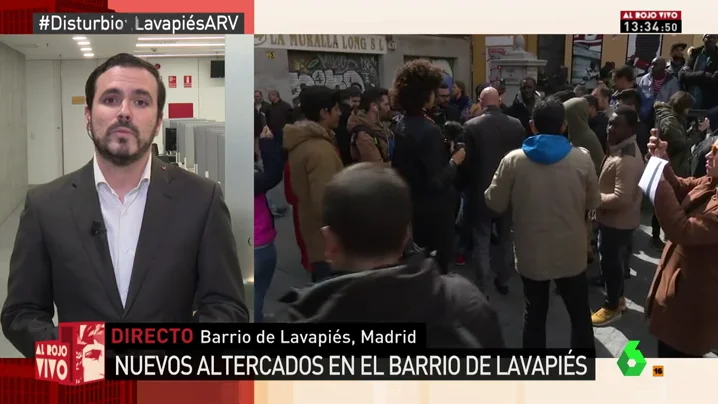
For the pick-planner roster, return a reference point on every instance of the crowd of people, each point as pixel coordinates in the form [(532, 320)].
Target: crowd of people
[(390, 187)]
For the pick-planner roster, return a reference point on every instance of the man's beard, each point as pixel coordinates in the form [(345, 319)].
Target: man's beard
[(120, 158)]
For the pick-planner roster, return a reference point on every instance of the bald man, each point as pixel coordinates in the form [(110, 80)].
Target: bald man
[(489, 137)]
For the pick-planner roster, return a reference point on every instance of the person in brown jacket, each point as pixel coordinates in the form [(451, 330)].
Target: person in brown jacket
[(369, 137), (680, 305), (548, 185), (619, 213), (313, 161)]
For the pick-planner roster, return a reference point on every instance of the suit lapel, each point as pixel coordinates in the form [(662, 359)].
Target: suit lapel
[(86, 212), (154, 223)]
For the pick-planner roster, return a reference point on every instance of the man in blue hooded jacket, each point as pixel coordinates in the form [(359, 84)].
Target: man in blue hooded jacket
[(550, 186)]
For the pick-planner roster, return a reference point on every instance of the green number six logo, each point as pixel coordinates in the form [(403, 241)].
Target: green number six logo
[(631, 362)]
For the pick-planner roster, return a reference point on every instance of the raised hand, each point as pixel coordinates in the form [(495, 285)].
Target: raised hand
[(656, 146)]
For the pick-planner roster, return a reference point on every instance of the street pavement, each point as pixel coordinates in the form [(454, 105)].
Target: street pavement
[(610, 340)]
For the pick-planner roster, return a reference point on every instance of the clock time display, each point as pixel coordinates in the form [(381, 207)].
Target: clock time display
[(651, 26)]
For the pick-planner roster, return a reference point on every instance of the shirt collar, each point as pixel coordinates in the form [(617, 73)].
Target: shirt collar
[(100, 178)]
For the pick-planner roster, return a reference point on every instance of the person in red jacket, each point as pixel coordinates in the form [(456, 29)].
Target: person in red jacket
[(292, 200)]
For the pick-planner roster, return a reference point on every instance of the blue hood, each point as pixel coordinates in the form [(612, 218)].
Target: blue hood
[(546, 149)]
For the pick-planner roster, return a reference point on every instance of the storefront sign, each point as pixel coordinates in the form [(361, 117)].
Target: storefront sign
[(371, 44)]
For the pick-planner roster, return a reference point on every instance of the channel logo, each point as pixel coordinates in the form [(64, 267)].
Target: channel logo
[(632, 362), (77, 357)]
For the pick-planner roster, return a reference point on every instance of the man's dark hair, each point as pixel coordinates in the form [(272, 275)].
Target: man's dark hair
[(592, 101), (368, 207), (629, 114), (372, 95), (314, 99), (563, 96), (549, 116), (529, 78), (125, 60), (350, 92), (605, 91), (453, 131), (625, 72), (631, 97), (681, 101), (414, 84)]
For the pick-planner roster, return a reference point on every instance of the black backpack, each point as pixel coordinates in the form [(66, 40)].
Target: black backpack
[(374, 137)]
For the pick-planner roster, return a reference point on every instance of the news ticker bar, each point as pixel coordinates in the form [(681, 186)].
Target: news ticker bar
[(147, 23), (440, 365), (346, 338)]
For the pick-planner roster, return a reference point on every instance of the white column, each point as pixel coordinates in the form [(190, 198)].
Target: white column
[(239, 145)]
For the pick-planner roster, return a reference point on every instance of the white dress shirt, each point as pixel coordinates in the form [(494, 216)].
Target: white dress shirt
[(123, 222)]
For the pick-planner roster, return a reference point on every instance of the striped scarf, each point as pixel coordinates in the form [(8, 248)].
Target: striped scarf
[(657, 84)]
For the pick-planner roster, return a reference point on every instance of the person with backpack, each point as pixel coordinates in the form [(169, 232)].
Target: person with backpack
[(367, 211), (369, 137)]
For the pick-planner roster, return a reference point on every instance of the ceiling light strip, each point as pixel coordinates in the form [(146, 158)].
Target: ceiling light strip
[(179, 45), (180, 38), (186, 55)]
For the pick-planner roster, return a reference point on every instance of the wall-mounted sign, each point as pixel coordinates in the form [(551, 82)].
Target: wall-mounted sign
[(270, 54), (78, 100), (187, 81), (172, 80), (372, 44)]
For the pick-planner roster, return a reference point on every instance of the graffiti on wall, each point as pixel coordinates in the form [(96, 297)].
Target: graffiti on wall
[(493, 71), (333, 70), (446, 65)]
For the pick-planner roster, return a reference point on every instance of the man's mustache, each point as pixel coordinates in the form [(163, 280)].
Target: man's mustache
[(124, 125)]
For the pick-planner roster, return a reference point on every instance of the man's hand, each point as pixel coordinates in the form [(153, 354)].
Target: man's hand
[(656, 146), (459, 156), (266, 133)]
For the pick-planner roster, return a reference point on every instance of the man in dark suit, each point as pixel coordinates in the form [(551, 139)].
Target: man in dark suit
[(126, 238), (489, 137)]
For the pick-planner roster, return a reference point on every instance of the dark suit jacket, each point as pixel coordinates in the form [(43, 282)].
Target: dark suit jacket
[(489, 137), (186, 250)]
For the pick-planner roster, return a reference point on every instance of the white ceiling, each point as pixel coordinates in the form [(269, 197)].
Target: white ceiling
[(56, 47)]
